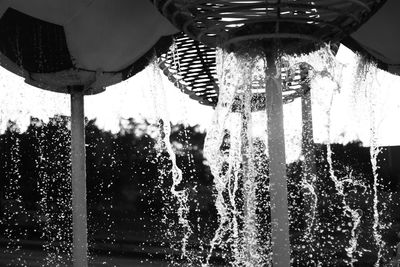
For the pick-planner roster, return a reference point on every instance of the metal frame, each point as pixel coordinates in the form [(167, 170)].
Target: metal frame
[(297, 24)]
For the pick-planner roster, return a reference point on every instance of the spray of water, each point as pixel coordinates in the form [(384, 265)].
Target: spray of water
[(229, 149), (181, 195), (322, 64), (340, 186), (54, 185), (14, 211), (366, 83), (250, 218), (228, 68), (189, 169)]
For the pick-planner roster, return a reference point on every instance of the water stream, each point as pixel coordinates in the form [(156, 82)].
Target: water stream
[(181, 196), (338, 213), (231, 156)]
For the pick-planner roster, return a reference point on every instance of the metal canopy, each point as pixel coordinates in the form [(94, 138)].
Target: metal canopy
[(297, 25), (55, 44), (379, 37), (80, 47), (293, 26), (191, 67)]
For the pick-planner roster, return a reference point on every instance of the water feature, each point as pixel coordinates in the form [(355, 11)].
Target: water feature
[(14, 208), (54, 185), (229, 148), (179, 196), (238, 156)]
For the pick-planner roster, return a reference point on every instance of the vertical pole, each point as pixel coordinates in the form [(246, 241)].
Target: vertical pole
[(249, 195), (307, 146), (78, 161), (277, 167), (309, 170)]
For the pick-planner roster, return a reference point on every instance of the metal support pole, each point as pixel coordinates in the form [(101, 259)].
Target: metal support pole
[(78, 161), (307, 145), (277, 167), (249, 193), (309, 171)]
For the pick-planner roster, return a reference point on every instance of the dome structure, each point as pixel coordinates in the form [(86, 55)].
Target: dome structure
[(291, 25), (56, 44), (296, 25), (191, 67), (365, 36)]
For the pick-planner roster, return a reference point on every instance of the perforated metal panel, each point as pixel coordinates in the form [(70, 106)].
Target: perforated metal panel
[(191, 66)]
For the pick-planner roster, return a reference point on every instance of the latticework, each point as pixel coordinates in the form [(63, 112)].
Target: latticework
[(292, 24), (191, 66)]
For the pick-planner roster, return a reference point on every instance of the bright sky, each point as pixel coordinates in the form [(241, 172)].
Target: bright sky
[(131, 98), (350, 117)]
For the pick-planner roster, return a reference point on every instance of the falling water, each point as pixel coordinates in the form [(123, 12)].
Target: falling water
[(309, 170), (101, 223), (14, 210), (232, 159), (322, 64), (340, 186), (366, 80), (181, 196), (54, 184)]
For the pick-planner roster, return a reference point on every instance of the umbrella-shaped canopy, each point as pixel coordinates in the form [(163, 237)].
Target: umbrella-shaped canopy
[(191, 64), (293, 25), (80, 47), (379, 37), (55, 44)]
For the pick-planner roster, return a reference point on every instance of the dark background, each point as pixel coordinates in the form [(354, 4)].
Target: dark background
[(131, 211)]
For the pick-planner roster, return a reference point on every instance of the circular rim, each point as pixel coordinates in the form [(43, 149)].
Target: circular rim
[(191, 67), (296, 25)]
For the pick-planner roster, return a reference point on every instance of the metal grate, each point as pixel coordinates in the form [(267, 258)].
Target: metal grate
[(191, 66)]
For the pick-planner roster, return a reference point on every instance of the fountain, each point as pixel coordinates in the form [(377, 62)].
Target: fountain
[(70, 48), (79, 48), (245, 31)]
